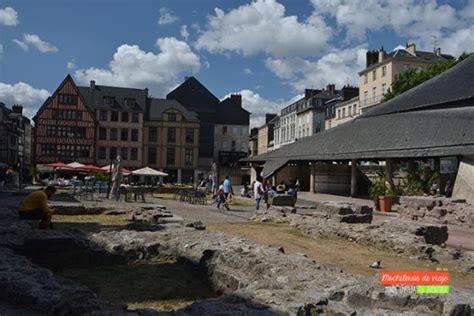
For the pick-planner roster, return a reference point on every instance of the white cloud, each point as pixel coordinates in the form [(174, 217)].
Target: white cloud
[(20, 44), (24, 94), (184, 32), (133, 67), (166, 17), (458, 42), (9, 17), (39, 44), (406, 17), (248, 71), (338, 66), (262, 26), (71, 65)]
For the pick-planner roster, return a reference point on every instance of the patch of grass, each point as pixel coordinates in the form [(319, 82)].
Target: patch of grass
[(91, 223), (162, 284), (333, 251)]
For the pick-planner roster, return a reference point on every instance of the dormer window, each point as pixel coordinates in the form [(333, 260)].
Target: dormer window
[(109, 101), (129, 102)]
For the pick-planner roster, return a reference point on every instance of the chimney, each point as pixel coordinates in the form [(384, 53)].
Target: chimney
[(92, 86), (236, 98), (349, 92), (371, 58), (381, 54), (331, 88), (309, 93), (17, 109), (437, 52), (411, 48), (269, 117)]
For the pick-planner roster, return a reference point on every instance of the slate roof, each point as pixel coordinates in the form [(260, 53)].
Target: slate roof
[(194, 96), (95, 98), (400, 128), (156, 107), (228, 112)]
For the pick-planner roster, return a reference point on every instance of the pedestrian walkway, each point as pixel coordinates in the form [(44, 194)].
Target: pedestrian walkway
[(308, 197)]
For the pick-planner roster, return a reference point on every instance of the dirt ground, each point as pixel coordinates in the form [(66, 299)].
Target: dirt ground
[(342, 253)]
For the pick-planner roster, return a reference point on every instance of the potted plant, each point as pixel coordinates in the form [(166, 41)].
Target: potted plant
[(376, 190), (386, 200)]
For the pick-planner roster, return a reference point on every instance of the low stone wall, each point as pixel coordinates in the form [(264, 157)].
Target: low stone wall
[(343, 212), (422, 241), (439, 210)]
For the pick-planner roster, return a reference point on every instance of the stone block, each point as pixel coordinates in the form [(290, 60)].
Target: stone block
[(433, 234), (283, 200)]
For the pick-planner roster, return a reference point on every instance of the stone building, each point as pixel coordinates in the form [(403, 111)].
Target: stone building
[(266, 134), (119, 115), (253, 142), (171, 140), (382, 68), (342, 112)]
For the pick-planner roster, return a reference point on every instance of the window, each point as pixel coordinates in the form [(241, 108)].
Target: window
[(189, 135), (67, 150), (103, 115), (102, 154), (134, 153), (349, 112), (48, 150), (384, 88), (235, 132), (152, 134), (374, 93), (67, 99), (355, 109), (384, 71), (82, 151), (102, 133), (135, 117), (67, 115), (125, 117), (113, 134), (109, 101), (233, 146), (338, 113), (129, 102), (343, 112), (114, 116), (224, 130), (113, 152), (124, 134), (170, 156), (152, 155), (365, 78), (124, 153), (171, 136), (188, 157), (172, 117), (366, 96), (134, 135), (374, 74)]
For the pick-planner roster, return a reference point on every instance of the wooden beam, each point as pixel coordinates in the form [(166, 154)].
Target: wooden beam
[(353, 177)]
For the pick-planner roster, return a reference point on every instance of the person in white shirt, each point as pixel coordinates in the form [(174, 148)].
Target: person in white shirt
[(258, 192)]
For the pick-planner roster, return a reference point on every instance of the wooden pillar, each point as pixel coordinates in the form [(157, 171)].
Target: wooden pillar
[(411, 165), (389, 173), (353, 178), (311, 178)]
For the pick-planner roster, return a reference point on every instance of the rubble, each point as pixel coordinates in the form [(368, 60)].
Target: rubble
[(439, 210)]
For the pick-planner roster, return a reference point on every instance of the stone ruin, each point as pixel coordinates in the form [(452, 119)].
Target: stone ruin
[(354, 223), (439, 210), (250, 278)]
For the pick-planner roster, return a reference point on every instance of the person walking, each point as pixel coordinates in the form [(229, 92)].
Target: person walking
[(220, 195), (228, 192), (258, 193)]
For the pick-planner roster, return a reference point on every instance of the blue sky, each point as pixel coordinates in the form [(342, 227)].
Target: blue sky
[(267, 50)]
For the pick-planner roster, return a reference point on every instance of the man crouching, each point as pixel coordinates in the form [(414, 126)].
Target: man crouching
[(35, 206)]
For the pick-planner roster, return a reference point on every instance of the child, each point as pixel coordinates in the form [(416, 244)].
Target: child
[(220, 195)]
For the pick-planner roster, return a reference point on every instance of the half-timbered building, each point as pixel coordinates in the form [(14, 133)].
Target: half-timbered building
[(65, 127)]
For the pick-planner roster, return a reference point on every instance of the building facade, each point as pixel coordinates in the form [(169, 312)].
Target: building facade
[(266, 134), (382, 68), (343, 112), (65, 127), (119, 113), (171, 140), (253, 142), (15, 136)]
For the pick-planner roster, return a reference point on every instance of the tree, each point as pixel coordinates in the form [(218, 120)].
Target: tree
[(412, 77)]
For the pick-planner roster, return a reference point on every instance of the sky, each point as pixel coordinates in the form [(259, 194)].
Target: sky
[(269, 51)]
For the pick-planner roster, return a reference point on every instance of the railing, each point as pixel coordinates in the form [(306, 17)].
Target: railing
[(371, 101)]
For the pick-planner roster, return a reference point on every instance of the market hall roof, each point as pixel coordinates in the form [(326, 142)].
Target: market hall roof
[(435, 118)]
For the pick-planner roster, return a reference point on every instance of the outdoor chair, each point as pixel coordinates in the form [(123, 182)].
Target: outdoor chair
[(89, 190), (139, 192)]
